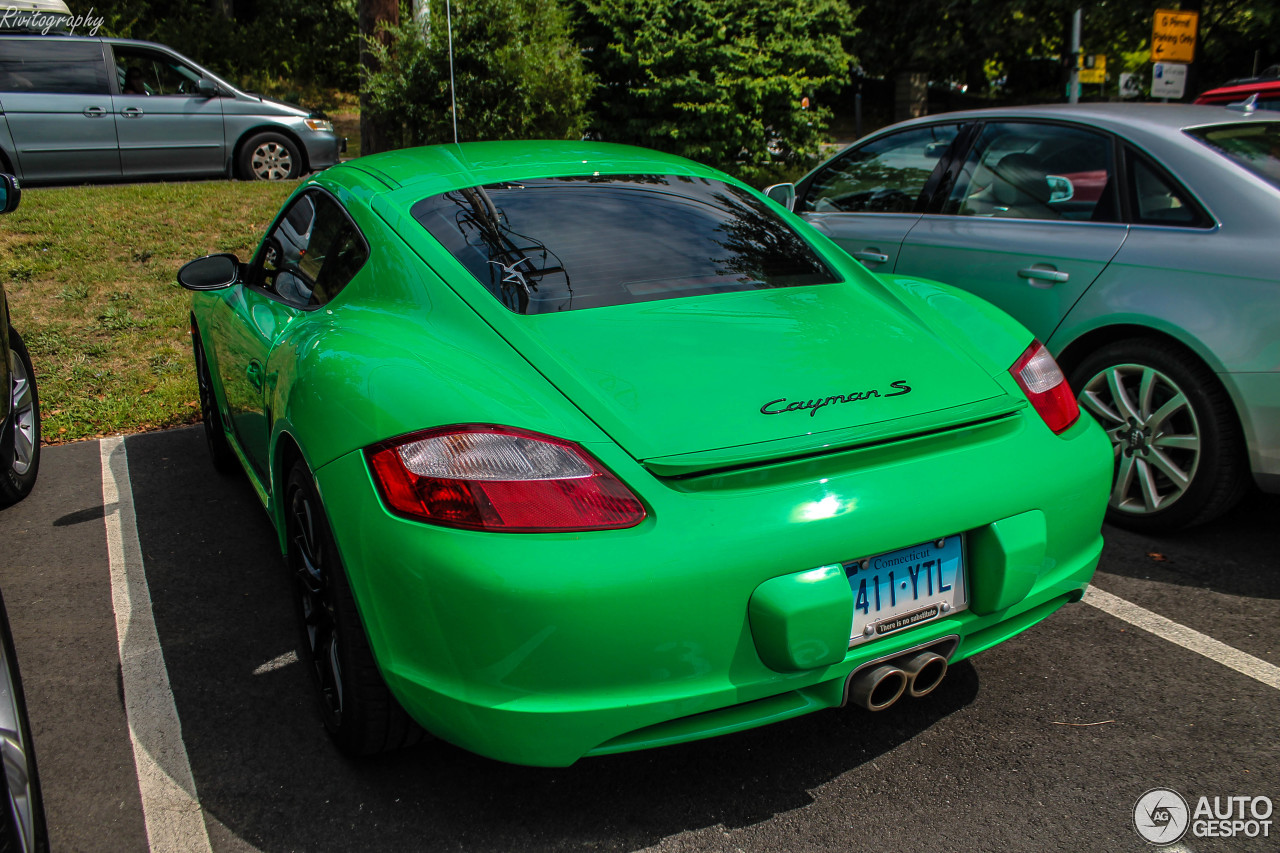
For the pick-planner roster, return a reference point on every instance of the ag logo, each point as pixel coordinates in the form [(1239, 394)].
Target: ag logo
[(1161, 816)]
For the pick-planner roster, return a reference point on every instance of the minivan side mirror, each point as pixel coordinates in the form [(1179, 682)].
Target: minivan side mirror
[(783, 194), (10, 193), (206, 88), (212, 272)]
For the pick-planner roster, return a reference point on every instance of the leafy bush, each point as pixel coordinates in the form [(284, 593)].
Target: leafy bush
[(719, 81), (518, 74)]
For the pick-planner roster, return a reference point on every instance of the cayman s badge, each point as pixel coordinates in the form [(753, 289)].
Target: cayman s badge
[(781, 406)]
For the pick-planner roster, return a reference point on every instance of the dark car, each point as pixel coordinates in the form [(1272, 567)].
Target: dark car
[(19, 404), (22, 823)]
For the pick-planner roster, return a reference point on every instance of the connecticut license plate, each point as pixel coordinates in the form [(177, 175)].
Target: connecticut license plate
[(907, 587)]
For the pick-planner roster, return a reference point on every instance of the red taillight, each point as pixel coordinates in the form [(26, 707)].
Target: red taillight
[(1040, 378), (500, 478)]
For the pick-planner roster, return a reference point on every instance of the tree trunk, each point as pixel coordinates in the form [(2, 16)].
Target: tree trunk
[(373, 134)]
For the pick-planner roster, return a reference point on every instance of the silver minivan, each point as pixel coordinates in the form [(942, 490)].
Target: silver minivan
[(76, 108)]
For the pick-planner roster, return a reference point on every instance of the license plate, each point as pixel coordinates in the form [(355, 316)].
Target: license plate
[(905, 588)]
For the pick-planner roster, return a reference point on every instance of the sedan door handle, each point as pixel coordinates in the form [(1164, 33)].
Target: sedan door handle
[(254, 373), (131, 112), (871, 257), (1037, 274), (94, 112)]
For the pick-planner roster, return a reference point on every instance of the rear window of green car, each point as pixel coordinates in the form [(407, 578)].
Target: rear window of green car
[(562, 244), (1254, 146)]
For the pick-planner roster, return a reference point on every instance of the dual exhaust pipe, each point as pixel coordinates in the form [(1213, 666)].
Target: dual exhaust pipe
[(878, 685)]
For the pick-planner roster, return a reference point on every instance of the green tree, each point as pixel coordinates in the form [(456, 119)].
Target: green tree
[(518, 72), (720, 81)]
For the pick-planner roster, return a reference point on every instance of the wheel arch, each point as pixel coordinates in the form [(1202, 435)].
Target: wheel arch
[(286, 452), (269, 128)]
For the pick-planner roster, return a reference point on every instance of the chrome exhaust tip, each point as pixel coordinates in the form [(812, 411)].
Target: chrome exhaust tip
[(924, 673), (878, 688)]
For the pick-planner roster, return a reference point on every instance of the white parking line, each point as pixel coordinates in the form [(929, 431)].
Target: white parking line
[(1167, 629), (169, 802)]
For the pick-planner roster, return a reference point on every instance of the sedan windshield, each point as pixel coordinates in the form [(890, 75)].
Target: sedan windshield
[(561, 244), (1254, 146)]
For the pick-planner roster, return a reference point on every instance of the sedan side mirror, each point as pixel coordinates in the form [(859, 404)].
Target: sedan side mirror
[(206, 88), (10, 193), (783, 194), (212, 272)]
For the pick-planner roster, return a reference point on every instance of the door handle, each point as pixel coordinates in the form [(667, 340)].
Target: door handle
[(254, 373), (94, 112), (871, 257), (1037, 274), (131, 112)]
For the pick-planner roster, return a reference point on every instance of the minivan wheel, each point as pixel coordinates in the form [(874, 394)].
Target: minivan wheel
[(270, 157), (1179, 452), (23, 462)]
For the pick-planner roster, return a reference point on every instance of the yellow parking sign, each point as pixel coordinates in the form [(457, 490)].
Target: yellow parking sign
[(1093, 68), (1173, 36)]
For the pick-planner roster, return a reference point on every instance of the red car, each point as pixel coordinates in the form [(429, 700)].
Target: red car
[(1266, 88)]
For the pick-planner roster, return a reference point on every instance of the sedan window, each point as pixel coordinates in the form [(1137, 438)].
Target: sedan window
[(886, 175), (1256, 146), (1025, 170)]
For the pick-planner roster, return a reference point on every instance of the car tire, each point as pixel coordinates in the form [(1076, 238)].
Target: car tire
[(215, 436), (270, 157), (1178, 447), (22, 822), (21, 445), (358, 710)]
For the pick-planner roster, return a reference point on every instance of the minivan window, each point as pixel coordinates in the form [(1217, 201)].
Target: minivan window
[(1256, 146), (48, 66), (561, 244), (140, 72)]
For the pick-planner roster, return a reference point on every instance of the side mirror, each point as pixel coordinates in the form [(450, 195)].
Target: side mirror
[(206, 88), (1060, 188), (783, 194), (10, 193), (212, 272)]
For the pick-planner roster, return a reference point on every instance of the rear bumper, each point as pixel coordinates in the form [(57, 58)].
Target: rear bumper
[(540, 649)]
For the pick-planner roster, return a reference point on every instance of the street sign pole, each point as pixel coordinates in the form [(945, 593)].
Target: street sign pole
[(1073, 87)]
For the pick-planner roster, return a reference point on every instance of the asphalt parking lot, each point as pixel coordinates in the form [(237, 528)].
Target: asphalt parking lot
[(1043, 743)]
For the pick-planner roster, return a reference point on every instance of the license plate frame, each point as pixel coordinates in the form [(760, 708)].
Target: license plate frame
[(907, 587)]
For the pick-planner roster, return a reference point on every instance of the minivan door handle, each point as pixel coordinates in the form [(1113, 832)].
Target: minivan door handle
[(94, 112), (131, 112)]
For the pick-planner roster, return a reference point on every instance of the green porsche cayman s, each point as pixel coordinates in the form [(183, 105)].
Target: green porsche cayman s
[(575, 449)]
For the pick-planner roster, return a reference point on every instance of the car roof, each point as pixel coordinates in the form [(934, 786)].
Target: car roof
[(440, 168), (1159, 119)]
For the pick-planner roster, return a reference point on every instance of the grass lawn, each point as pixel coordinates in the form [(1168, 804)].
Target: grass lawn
[(90, 275)]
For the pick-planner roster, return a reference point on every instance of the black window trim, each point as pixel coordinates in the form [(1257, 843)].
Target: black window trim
[(1206, 221), (255, 264)]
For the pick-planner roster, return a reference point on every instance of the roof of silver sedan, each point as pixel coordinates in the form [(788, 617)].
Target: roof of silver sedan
[(1149, 116)]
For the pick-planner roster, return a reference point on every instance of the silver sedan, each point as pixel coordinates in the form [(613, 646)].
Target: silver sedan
[(1138, 241)]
